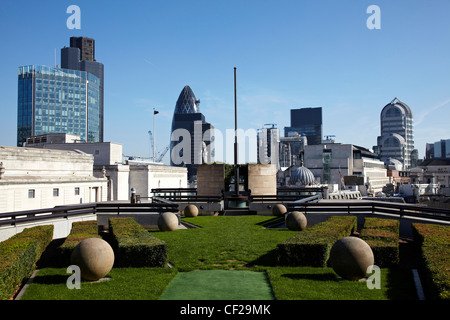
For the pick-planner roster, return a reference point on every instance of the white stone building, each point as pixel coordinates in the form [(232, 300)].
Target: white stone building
[(433, 172), (32, 178), (108, 163), (332, 163)]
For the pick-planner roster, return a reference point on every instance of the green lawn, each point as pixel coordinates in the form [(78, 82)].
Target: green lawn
[(223, 243), (124, 284)]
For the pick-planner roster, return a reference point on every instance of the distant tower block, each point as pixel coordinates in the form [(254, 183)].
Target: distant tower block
[(189, 119)]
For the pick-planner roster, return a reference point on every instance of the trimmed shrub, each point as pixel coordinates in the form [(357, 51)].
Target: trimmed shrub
[(18, 257), (80, 230), (434, 243), (392, 225), (312, 246), (382, 235), (134, 246)]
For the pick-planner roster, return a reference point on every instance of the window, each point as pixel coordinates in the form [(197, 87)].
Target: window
[(55, 192), (31, 193), (77, 191)]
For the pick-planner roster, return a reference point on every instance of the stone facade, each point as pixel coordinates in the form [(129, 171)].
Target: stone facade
[(262, 179), (210, 179), (35, 178), (146, 177)]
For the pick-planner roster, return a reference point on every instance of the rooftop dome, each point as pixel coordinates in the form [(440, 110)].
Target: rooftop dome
[(187, 102), (302, 175)]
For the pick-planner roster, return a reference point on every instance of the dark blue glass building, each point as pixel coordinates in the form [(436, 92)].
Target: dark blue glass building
[(307, 121)]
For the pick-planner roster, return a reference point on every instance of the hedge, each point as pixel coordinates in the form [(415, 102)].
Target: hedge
[(80, 230), (312, 246), (134, 246), (382, 235), (434, 243), (18, 257)]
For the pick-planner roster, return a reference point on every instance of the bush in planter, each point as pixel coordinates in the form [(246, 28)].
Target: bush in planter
[(382, 235), (311, 247), (434, 243), (80, 230), (134, 246), (18, 257)]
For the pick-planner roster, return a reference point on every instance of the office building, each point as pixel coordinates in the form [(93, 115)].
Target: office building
[(439, 149), (346, 164), (307, 121), (268, 145), (396, 140), (192, 137), (81, 56), (53, 100), (291, 150)]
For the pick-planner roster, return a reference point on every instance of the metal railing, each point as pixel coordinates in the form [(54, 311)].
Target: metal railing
[(13, 218), (279, 198), (398, 210)]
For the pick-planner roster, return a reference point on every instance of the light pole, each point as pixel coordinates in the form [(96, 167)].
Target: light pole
[(236, 167), (154, 134)]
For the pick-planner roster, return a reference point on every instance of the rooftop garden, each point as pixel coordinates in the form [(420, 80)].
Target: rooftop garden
[(226, 257)]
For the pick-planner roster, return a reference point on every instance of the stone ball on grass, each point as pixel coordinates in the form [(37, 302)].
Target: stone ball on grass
[(351, 258), (296, 221), (94, 257), (167, 221), (191, 211), (278, 210)]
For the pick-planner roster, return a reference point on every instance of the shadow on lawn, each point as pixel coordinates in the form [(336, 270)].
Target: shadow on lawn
[(268, 259), (51, 279)]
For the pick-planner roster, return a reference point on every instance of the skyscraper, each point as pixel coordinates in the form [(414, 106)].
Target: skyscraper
[(396, 140), (81, 56), (307, 121), (268, 144), (53, 100), (192, 137)]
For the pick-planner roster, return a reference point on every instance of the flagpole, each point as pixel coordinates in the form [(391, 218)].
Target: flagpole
[(154, 134)]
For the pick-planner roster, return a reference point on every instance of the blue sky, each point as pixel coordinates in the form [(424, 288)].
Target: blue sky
[(288, 54)]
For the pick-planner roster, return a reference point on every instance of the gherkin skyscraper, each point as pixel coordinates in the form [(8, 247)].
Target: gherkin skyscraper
[(192, 137)]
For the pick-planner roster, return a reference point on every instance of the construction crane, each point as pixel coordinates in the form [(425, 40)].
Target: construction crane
[(161, 156)]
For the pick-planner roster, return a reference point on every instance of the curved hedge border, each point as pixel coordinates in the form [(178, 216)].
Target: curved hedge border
[(312, 246), (434, 241), (382, 235), (18, 257), (134, 246), (80, 230)]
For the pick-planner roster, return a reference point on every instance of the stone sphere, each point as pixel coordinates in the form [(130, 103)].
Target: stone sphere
[(351, 258), (191, 211), (279, 210), (167, 221), (94, 257), (296, 221)]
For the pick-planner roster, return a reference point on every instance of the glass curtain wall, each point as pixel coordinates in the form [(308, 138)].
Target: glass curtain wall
[(53, 100)]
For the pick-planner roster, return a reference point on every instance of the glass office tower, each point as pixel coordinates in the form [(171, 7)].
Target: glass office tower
[(187, 118), (81, 56), (307, 121), (53, 100)]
